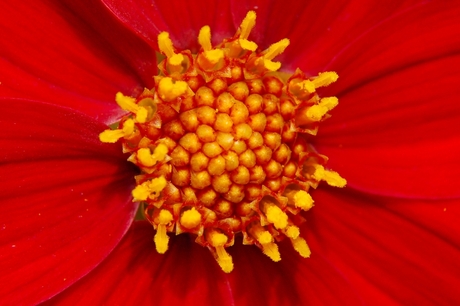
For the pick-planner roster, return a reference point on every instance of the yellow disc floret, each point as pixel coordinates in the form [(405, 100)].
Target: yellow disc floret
[(223, 145)]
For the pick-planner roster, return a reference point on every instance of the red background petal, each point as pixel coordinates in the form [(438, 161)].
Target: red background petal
[(395, 131), (49, 53), (182, 19), (393, 251), (188, 275), (65, 199)]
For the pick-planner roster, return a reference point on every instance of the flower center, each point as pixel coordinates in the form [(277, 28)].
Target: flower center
[(222, 145)]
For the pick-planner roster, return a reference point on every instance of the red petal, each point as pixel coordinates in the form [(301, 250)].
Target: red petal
[(138, 54), (48, 53), (403, 141), (187, 274), (321, 30), (418, 170), (425, 32), (65, 200), (182, 19), (393, 251)]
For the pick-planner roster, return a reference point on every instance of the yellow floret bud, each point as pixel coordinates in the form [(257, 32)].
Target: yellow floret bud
[(190, 218)]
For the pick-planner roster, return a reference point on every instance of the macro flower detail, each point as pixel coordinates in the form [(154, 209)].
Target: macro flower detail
[(223, 145), (71, 233)]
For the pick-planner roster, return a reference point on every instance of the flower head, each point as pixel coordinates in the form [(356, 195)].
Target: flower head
[(222, 144)]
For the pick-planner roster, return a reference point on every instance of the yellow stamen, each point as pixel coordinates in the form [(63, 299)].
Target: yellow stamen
[(147, 159), (169, 89), (325, 79), (245, 29), (303, 200), (273, 51), (218, 240), (111, 136), (141, 192), (166, 47), (301, 246), (204, 39), (129, 104), (145, 190), (264, 237), (190, 218), (330, 177), (307, 86), (161, 239), (276, 216), (317, 112), (157, 185)]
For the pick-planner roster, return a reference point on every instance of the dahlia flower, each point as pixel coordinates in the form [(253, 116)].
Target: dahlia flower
[(68, 228)]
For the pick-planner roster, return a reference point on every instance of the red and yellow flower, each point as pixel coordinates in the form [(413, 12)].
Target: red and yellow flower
[(67, 212)]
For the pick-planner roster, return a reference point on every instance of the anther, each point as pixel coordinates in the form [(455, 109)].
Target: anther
[(144, 191), (317, 112), (300, 199), (331, 177), (112, 136), (218, 240), (147, 159), (245, 29), (129, 104), (301, 246)]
